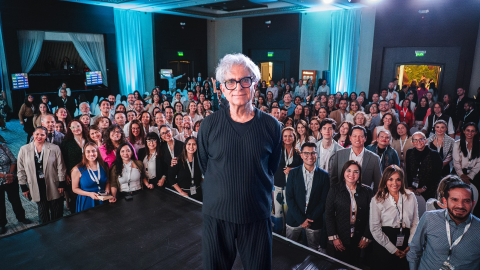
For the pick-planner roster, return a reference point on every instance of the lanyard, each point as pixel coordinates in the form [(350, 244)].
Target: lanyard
[(192, 169), (353, 203), (39, 158), (398, 211), (404, 111), (95, 178), (288, 159), (402, 145), (80, 144), (450, 237), (171, 150), (467, 114)]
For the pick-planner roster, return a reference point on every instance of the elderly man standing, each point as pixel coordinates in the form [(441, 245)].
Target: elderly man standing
[(239, 149)]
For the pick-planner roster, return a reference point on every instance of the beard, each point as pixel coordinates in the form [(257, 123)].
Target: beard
[(460, 216)]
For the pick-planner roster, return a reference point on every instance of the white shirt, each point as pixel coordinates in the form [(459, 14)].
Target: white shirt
[(450, 125), (325, 89), (308, 179), (130, 179), (460, 161), (385, 214), (301, 91), (324, 155), (300, 143), (150, 165), (181, 136), (358, 158)]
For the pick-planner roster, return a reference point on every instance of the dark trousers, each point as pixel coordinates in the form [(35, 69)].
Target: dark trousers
[(221, 239), (72, 198), (381, 257), (13, 194), (351, 254), (50, 210)]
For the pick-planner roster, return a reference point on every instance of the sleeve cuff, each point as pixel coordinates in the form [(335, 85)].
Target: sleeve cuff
[(366, 239), (24, 188), (334, 237), (61, 184)]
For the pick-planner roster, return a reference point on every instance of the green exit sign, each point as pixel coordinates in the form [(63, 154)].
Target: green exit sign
[(420, 53), (269, 54), (180, 53)]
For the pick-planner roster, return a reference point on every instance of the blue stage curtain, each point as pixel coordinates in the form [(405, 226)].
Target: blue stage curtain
[(30, 45), (344, 42), (129, 51), (4, 76), (91, 48)]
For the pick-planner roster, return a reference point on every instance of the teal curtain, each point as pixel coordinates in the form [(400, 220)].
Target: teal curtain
[(3, 64), (129, 51), (30, 45), (344, 42)]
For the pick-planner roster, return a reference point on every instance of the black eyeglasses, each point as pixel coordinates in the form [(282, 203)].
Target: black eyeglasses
[(244, 82)]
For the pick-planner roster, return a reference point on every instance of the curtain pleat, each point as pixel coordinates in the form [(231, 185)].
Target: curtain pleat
[(345, 35), (91, 48), (30, 45)]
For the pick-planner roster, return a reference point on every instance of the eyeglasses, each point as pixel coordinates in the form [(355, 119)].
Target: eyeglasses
[(165, 133), (117, 131), (417, 140), (309, 153), (75, 127), (151, 141), (244, 82)]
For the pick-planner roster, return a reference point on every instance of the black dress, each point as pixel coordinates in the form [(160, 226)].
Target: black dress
[(180, 174), (167, 157)]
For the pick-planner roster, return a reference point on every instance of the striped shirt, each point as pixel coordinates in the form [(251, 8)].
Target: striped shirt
[(429, 247)]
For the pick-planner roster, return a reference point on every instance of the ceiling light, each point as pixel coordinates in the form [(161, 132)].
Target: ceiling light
[(327, 1)]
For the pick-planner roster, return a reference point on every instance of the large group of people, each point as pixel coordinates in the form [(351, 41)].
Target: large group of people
[(356, 178)]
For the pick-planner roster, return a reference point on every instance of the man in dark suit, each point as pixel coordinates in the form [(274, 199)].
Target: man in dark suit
[(370, 162), (53, 136), (306, 194), (66, 102), (471, 115)]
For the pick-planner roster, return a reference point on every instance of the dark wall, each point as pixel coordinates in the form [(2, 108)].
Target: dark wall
[(283, 35), (171, 38), (48, 15), (399, 24)]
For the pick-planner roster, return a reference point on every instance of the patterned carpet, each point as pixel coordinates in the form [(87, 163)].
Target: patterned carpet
[(16, 138)]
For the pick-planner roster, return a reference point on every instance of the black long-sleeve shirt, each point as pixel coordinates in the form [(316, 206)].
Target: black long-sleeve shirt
[(238, 170)]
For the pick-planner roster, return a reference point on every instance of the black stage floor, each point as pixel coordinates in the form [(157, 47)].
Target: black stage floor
[(156, 230)]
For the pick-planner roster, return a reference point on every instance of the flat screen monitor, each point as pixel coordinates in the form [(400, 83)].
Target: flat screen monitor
[(165, 73), (94, 77), (20, 80)]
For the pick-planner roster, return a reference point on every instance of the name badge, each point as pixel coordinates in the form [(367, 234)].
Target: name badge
[(400, 239), (415, 182), (447, 266), (352, 231), (193, 190)]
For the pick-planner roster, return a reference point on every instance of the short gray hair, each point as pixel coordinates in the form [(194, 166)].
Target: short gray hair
[(230, 60), (83, 103), (48, 115), (419, 133)]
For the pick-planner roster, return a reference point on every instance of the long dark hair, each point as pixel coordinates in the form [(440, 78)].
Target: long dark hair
[(106, 137), (154, 136), (131, 137), (382, 187), (84, 161), (463, 141), (184, 154), (347, 140), (70, 136), (118, 159), (348, 164), (37, 110), (28, 103), (393, 126)]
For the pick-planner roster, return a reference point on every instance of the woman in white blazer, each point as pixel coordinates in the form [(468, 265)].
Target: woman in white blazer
[(41, 175)]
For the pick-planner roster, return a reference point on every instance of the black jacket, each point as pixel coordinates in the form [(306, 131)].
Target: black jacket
[(337, 212), (279, 177), (69, 104), (429, 164), (167, 158), (295, 195), (180, 174), (158, 163)]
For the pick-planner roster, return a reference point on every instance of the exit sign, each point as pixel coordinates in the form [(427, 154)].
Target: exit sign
[(180, 53), (420, 53), (269, 54)]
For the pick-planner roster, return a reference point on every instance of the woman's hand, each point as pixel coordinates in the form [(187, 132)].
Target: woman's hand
[(93, 195), (465, 179), (399, 254), (150, 186), (406, 251), (174, 162), (26, 193), (112, 200), (338, 245), (183, 193), (286, 170), (161, 182)]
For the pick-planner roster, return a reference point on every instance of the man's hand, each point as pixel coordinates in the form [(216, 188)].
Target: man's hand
[(465, 178), (363, 244), (26, 193), (306, 223), (60, 190), (338, 245), (9, 178)]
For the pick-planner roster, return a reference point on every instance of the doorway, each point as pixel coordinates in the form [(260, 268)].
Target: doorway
[(266, 70), (180, 67), (272, 70), (420, 73)]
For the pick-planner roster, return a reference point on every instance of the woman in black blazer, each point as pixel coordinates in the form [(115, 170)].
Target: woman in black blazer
[(290, 159), (170, 151), (151, 156), (347, 215), (186, 176)]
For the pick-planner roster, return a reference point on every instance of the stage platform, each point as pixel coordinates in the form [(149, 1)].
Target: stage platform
[(158, 229)]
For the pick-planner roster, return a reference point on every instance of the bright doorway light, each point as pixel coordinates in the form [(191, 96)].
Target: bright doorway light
[(327, 1)]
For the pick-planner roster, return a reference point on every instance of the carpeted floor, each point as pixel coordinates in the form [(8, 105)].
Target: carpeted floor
[(16, 138)]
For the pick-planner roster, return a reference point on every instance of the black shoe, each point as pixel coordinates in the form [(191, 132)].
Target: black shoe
[(25, 221), (3, 230)]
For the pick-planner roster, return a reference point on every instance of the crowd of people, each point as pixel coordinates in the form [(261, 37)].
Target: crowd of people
[(356, 175)]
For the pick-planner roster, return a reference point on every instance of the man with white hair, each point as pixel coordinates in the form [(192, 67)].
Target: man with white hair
[(84, 108), (360, 101), (53, 136), (239, 149)]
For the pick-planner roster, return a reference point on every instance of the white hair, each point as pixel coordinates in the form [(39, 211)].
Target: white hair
[(84, 103), (239, 59), (419, 133)]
